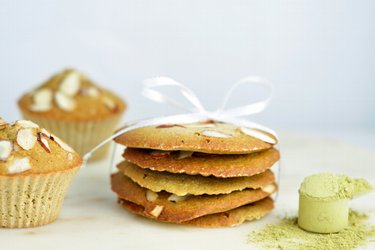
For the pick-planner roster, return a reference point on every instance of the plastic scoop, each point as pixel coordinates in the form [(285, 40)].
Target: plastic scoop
[(324, 201)]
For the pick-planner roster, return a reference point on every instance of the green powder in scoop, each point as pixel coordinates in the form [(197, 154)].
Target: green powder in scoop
[(287, 235), (324, 201), (326, 186)]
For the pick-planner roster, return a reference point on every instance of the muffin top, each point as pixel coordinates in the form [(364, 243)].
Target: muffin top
[(70, 95), (27, 149)]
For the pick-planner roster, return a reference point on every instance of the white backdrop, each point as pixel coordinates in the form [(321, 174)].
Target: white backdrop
[(319, 54)]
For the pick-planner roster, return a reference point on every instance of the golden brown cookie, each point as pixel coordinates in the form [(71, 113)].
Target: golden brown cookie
[(183, 184), (214, 138), (162, 207), (203, 164), (234, 217), (252, 211)]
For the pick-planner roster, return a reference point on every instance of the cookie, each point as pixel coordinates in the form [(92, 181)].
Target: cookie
[(234, 217), (203, 164), (207, 137), (161, 206), (183, 184)]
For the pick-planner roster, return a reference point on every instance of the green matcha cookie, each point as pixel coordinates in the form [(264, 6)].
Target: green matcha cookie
[(209, 137), (230, 218), (168, 207), (203, 164), (183, 184)]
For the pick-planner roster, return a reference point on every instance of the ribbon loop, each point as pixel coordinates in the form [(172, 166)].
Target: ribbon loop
[(249, 109), (149, 92)]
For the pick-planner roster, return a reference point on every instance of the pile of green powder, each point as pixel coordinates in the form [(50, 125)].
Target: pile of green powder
[(287, 235)]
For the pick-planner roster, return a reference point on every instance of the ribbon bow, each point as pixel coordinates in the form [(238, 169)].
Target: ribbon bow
[(198, 112)]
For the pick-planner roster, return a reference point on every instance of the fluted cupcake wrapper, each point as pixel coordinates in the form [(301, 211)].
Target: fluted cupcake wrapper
[(81, 135), (32, 200)]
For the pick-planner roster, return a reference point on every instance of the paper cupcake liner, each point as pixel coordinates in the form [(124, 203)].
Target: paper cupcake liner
[(34, 200), (81, 135)]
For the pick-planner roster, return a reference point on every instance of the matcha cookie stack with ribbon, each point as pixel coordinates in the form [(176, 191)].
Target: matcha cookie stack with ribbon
[(207, 174)]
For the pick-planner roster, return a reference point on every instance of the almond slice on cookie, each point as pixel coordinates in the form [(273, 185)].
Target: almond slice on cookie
[(214, 133), (157, 211), (151, 195), (258, 134)]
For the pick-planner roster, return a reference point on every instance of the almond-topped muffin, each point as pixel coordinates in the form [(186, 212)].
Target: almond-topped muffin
[(36, 168), (73, 107)]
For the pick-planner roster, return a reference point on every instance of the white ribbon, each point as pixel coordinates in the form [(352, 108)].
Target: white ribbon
[(197, 112)]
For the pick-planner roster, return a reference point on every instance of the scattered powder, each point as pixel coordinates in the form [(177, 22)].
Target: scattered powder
[(287, 235)]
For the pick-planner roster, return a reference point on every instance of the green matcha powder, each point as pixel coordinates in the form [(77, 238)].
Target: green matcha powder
[(287, 235)]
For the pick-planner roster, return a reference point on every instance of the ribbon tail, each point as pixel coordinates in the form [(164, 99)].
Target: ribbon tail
[(173, 119)]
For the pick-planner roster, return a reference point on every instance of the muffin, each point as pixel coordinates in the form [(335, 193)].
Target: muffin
[(36, 168), (75, 109)]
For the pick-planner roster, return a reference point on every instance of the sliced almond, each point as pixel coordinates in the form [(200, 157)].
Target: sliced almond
[(64, 102), (18, 165), (200, 125), (26, 124), (90, 91), (62, 144), (37, 107), (45, 132), (151, 195), (176, 198), (258, 134), (42, 100), (217, 134), (270, 188), (69, 156), (6, 148), (43, 96), (71, 84), (109, 103), (43, 141), (170, 126), (157, 211), (26, 138), (184, 154)]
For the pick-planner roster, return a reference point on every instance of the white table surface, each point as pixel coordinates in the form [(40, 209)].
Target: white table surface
[(91, 219)]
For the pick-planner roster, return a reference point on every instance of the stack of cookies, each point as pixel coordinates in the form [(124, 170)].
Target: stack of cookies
[(206, 174)]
